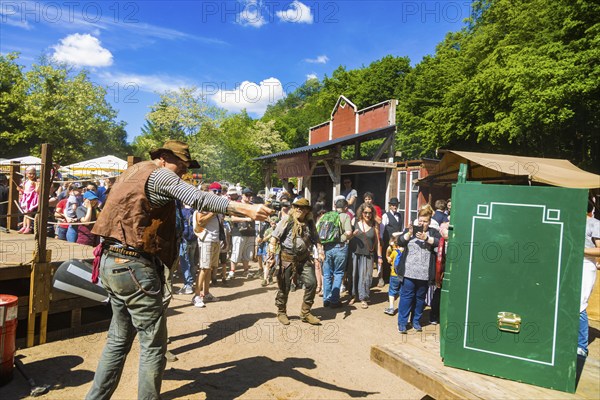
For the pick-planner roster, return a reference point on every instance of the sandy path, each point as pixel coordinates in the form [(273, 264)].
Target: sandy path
[(236, 348)]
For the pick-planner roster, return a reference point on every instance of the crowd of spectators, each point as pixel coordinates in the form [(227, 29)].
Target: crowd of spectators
[(73, 205), (213, 246)]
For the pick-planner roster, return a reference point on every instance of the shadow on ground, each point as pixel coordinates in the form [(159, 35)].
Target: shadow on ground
[(593, 335), (57, 372), (231, 380), (218, 330)]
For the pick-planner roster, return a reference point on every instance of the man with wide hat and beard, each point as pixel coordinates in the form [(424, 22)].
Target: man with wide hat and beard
[(138, 224), (296, 235)]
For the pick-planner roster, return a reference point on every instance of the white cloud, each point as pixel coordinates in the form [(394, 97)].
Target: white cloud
[(82, 50), (319, 60), (252, 14), (311, 76), (19, 23), (254, 97), (144, 83), (69, 16), (298, 13), (11, 15)]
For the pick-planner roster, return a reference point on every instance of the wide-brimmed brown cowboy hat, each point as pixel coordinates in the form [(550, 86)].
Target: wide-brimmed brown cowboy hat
[(178, 149), (301, 202)]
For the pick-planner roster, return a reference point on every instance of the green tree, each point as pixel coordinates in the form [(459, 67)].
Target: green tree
[(242, 139), (154, 135), (59, 107), (12, 95), (185, 115), (522, 78)]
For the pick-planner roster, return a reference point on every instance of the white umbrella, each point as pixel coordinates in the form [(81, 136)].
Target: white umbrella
[(107, 165), (25, 161)]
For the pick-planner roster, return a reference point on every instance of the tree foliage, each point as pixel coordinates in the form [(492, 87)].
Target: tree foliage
[(51, 104), (241, 140), (522, 78), (225, 145)]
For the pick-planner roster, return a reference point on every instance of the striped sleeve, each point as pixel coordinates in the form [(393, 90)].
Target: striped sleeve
[(164, 185)]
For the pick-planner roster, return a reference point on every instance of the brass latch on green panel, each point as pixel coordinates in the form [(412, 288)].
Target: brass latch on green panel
[(509, 322)]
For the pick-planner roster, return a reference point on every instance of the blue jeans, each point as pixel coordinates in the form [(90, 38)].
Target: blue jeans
[(333, 272), (582, 340), (187, 260), (395, 285), (72, 233), (134, 312), (412, 291), (61, 233)]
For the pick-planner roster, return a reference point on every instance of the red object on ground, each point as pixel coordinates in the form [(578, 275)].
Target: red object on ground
[(8, 329)]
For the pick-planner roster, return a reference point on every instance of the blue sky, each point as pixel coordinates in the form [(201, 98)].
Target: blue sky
[(241, 54)]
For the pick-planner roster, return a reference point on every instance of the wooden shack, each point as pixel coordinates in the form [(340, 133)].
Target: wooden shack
[(320, 166)]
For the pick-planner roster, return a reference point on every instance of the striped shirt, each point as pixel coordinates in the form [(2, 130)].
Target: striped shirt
[(164, 185)]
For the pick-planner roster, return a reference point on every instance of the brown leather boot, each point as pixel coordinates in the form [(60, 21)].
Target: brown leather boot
[(283, 318), (306, 316)]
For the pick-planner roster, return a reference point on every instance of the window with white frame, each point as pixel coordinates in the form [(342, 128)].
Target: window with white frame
[(414, 195), (402, 194)]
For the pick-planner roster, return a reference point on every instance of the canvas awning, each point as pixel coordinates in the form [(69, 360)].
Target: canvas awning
[(504, 167), (25, 161), (106, 165)]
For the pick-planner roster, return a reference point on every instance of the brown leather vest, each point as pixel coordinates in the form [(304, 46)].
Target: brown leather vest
[(129, 218)]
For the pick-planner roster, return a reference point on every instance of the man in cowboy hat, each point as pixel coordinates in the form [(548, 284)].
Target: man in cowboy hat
[(297, 235), (138, 227)]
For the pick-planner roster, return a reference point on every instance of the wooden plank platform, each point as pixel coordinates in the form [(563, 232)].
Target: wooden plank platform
[(16, 253), (415, 358)]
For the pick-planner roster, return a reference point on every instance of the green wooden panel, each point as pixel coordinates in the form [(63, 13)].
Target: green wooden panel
[(519, 250)]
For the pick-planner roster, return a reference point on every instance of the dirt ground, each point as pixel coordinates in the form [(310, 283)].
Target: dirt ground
[(235, 348)]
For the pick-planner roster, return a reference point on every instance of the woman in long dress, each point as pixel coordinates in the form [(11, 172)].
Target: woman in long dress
[(366, 254)]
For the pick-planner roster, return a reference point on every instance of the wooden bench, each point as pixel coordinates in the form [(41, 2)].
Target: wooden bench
[(416, 359)]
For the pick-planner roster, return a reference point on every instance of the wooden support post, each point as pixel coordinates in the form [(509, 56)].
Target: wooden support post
[(132, 160), (42, 215), (41, 278), (386, 147), (12, 222), (30, 327), (43, 326), (337, 172)]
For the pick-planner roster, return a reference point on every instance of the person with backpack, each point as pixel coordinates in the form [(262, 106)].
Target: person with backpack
[(334, 230)]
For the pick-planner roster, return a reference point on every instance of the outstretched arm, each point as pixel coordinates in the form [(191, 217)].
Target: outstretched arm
[(164, 185)]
